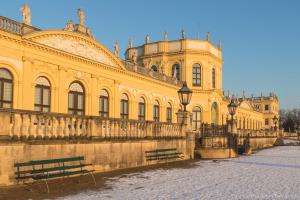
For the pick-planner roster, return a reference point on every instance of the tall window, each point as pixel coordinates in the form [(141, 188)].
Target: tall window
[(42, 95), (176, 71), (196, 122), (154, 68), (142, 109), (213, 76), (214, 113), (196, 75), (124, 107), (156, 111), (169, 113), (104, 104), (76, 99), (6, 89)]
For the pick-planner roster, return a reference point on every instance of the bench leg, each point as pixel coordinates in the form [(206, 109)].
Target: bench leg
[(93, 178), (47, 186)]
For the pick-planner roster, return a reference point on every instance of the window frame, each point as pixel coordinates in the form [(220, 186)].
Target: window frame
[(196, 122), (142, 116), (213, 77), (42, 106), (75, 110), (2, 83), (169, 114), (178, 71), (102, 100), (156, 112), (197, 81), (124, 115)]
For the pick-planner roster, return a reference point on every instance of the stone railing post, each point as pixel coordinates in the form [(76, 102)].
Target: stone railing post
[(5, 125)]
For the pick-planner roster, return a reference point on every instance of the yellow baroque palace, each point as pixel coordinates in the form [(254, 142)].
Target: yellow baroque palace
[(68, 71)]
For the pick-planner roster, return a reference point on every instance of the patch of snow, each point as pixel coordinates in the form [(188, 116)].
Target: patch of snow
[(269, 174)]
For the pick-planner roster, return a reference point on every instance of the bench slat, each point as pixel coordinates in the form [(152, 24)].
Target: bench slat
[(51, 161), (162, 155), (51, 169), (161, 150), (163, 158), (57, 175)]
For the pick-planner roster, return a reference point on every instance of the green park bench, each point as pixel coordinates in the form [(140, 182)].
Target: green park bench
[(51, 168), (163, 154)]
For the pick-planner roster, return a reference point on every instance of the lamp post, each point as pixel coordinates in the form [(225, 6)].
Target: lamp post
[(232, 106), (275, 121), (185, 95)]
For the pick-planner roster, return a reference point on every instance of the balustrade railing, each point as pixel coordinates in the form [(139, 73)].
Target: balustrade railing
[(12, 26), (35, 125)]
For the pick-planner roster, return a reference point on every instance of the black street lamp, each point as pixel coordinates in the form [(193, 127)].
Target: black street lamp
[(232, 106), (185, 95)]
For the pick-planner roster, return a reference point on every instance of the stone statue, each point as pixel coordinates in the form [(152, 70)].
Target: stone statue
[(166, 36), (134, 57), (69, 26), (116, 49), (147, 38), (175, 73), (89, 33), (81, 16), (220, 45), (130, 43), (26, 14), (208, 36), (182, 34)]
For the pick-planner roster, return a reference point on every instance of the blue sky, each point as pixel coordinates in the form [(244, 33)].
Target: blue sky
[(260, 38)]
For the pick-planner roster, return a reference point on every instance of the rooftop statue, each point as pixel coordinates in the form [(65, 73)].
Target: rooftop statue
[(81, 16), (147, 38), (116, 49), (208, 36), (69, 26), (166, 36), (182, 34), (130, 43), (26, 14)]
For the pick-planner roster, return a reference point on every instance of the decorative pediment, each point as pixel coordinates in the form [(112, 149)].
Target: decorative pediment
[(246, 105), (76, 44)]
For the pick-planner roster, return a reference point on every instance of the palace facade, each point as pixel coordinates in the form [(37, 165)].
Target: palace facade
[(68, 71)]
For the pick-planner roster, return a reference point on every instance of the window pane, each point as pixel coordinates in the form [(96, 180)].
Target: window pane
[(46, 97), (105, 105), (7, 91), (71, 100), (80, 102), (38, 95), (46, 109), (6, 105), (37, 108), (0, 90)]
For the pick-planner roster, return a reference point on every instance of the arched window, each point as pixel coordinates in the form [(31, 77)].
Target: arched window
[(6, 89), (42, 98), (154, 68), (156, 111), (196, 121), (196, 75), (169, 113), (124, 107), (213, 77), (76, 99), (176, 71), (104, 104), (214, 113), (142, 109)]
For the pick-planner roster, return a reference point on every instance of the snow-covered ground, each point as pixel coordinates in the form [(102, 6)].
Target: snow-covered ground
[(269, 174)]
